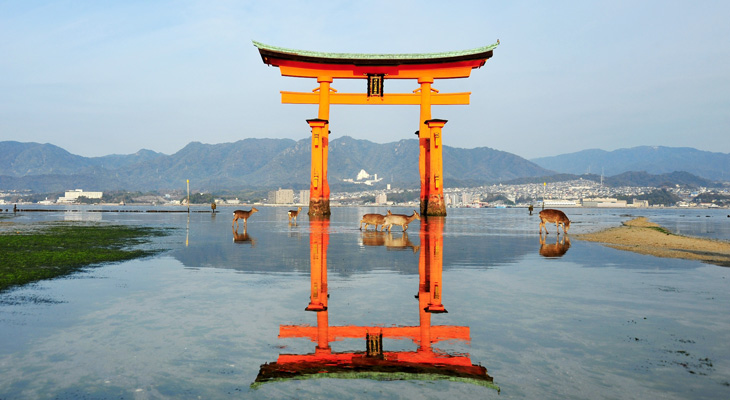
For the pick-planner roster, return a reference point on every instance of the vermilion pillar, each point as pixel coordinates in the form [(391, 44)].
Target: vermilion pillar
[(432, 201), (431, 264), (319, 190), (424, 139), (318, 241)]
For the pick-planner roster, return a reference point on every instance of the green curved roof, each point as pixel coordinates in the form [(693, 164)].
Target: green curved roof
[(268, 51)]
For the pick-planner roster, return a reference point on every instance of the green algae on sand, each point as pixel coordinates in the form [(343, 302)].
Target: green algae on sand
[(29, 255)]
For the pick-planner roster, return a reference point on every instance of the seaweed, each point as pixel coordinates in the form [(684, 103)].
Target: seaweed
[(59, 250)]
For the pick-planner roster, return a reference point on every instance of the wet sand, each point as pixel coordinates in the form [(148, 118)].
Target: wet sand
[(642, 236)]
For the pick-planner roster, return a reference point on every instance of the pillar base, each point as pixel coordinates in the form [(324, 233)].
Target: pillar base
[(316, 307), (319, 208), (434, 206), (436, 308)]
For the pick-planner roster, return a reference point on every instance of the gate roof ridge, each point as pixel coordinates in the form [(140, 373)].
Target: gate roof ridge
[(381, 59)]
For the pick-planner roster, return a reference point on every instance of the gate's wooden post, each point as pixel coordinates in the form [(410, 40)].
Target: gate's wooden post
[(435, 204), (319, 190)]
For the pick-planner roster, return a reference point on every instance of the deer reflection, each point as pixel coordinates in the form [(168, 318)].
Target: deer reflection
[(373, 361), (554, 250), (387, 239), (243, 237), (372, 238)]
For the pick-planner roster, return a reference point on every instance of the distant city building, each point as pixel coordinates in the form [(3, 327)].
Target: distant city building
[(304, 197), (381, 198), (72, 196), (604, 202), (561, 203), (451, 199), (281, 196)]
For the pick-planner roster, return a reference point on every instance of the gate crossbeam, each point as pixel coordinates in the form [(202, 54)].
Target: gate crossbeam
[(437, 99)]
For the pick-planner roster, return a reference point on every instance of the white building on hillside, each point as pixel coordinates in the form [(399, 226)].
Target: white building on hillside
[(364, 178)]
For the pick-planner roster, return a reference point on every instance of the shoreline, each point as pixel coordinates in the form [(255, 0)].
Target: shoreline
[(639, 235)]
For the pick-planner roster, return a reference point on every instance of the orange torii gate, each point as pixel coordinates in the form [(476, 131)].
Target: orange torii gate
[(376, 68)]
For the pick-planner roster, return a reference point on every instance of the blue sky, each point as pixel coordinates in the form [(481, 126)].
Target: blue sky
[(104, 77)]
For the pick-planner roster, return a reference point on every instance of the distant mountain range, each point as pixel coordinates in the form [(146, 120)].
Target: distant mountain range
[(248, 163), (285, 163), (651, 159), (631, 178)]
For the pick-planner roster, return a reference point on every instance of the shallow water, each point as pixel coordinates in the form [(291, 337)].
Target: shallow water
[(218, 316)]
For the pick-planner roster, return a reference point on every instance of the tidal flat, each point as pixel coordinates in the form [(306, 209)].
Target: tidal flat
[(44, 251), (645, 237), (258, 313)]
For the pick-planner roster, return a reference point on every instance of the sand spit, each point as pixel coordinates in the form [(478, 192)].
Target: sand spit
[(642, 236)]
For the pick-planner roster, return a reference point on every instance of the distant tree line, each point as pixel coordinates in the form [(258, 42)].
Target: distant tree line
[(713, 197), (495, 197), (404, 197), (656, 197)]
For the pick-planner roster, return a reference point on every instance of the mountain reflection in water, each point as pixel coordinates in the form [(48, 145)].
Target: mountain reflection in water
[(375, 362)]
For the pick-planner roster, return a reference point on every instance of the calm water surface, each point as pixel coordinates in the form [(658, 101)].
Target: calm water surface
[(464, 307)]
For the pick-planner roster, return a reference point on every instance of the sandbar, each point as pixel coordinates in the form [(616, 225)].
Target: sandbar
[(644, 237)]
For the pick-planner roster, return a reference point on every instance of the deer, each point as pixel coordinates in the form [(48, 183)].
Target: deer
[(554, 216), (400, 219), (373, 219), (244, 215), (554, 250), (293, 214)]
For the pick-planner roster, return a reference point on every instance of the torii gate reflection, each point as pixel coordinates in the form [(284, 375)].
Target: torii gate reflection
[(376, 363)]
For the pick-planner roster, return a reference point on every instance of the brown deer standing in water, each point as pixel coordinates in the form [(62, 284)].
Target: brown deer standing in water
[(400, 219), (554, 216), (293, 214), (241, 214), (554, 250), (373, 219)]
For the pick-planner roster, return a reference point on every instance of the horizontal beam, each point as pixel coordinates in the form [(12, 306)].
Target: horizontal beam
[(437, 71), (437, 99), (438, 332), (389, 358)]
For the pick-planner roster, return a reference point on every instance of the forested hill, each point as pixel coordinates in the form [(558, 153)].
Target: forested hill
[(246, 163)]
